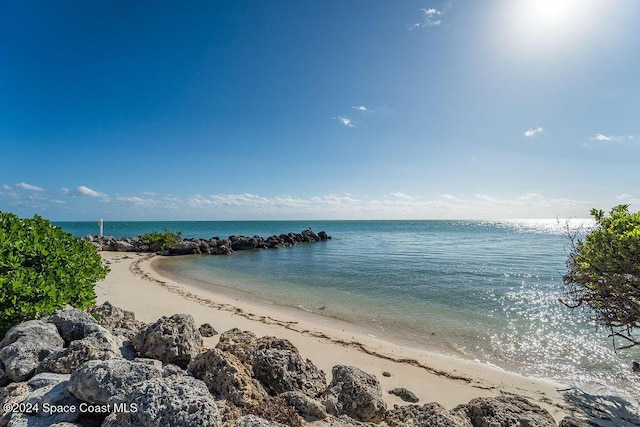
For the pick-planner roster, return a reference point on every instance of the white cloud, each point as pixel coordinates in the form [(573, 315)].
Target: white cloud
[(610, 138), (360, 108), (533, 132), (430, 18), (29, 187), (345, 121), (601, 137), (395, 205), (136, 201), (86, 191), (6, 187), (531, 196)]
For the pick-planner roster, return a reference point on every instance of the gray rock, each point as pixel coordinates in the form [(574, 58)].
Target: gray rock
[(101, 345), (4, 379), (427, 415), (171, 401), (206, 330), (13, 393), (342, 421), (103, 382), (170, 369), (172, 339), (576, 422), (185, 248), (111, 317), (243, 243), (404, 394), (355, 393), (285, 370), (504, 411), (73, 324), (53, 396), (47, 379), (122, 246), (226, 376), (305, 405), (241, 344), (255, 421), (26, 345)]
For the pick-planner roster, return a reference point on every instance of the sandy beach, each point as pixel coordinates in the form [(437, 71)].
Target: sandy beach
[(134, 285)]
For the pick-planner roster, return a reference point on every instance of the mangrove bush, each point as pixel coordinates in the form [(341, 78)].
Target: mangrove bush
[(43, 268)]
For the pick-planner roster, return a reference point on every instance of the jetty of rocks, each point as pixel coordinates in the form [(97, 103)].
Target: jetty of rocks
[(212, 246)]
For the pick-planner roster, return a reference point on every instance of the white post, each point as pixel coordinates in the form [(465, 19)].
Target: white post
[(100, 223)]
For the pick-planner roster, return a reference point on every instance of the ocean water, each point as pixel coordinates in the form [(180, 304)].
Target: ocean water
[(482, 290)]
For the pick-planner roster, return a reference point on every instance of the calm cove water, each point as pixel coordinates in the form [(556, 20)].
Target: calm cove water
[(483, 290)]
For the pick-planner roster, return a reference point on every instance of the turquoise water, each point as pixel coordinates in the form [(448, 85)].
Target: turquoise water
[(484, 290)]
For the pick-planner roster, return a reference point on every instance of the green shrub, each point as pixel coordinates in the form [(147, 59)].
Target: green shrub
[(43, 268), (604, 273), (161, 241)]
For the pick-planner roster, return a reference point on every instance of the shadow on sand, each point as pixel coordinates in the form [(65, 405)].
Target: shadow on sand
[(605, 411)]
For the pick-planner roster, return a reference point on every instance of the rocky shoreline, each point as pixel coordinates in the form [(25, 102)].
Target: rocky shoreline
[(212, 246), (105, 368)]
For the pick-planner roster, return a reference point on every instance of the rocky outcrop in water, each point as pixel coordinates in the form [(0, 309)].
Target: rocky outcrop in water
[(74, 369), (212, 246)]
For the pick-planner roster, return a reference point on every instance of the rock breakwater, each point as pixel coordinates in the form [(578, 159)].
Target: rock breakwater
[(105, 368), (212, 246)]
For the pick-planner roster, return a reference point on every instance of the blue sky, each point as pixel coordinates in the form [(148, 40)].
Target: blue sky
[(319, 110)]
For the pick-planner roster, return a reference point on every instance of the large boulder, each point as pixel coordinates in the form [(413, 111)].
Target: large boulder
[(100, 345), (122, 246), (504, 411), (174, 339), (305, 405), (185, 248), (49, 391), (427, 415), (227, 377), (244, 243), (11, 394), (177, 400), (285, 370), (26, 345), (4, 379), (104, 382), (111, 317), (355, 393), (241, 344), (73, 324)]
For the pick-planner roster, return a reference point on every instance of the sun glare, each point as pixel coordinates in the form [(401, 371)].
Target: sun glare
[(548, 26)]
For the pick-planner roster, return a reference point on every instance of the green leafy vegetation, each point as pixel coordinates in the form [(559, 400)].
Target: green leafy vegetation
[(43, 268), (161, 241), (604, 273)]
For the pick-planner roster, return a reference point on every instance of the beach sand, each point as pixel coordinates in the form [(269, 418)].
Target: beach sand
[(134, 285)]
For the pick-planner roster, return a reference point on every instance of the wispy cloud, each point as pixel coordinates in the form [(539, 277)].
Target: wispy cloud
[(396, 205), (360, 108), (6, 187), (344, 121), (530, 133), (628, 198), (430, 18), (136, 201), (610, 138), (601, 137), (86, 191), (29, 187)]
